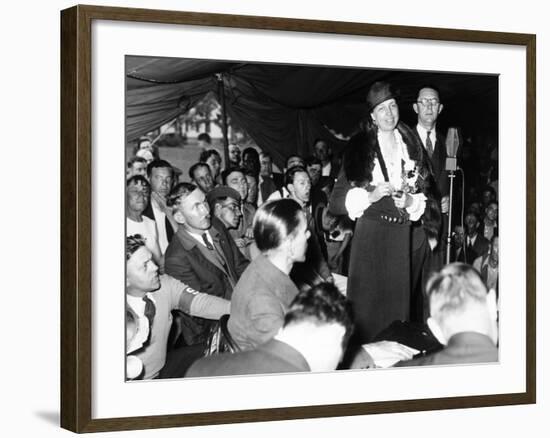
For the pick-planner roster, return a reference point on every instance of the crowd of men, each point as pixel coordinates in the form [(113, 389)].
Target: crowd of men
[(190, 238)]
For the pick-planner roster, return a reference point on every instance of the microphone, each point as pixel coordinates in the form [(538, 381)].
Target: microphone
[(452, 142)]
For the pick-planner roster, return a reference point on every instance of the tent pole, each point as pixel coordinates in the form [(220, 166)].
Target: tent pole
[(221, 94)]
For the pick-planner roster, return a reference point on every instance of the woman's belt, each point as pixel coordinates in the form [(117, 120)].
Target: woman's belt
[(386, 217)]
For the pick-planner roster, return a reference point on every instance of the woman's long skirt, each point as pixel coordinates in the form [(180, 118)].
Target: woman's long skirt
[(379, 275)]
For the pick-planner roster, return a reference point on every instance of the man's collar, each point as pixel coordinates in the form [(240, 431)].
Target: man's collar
[(422, 130)]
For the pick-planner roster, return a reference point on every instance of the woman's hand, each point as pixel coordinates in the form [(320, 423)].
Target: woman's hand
[(381, 190), (402, 200)]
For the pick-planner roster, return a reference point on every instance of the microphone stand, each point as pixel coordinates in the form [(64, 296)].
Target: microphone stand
[(452, 143), (449, 224)]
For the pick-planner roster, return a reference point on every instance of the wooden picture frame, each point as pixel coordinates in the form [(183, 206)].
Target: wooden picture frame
[(76, 217)]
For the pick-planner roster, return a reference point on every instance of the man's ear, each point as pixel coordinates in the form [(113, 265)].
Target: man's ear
[(440, 108), (415, 107), (436, 331), (178, 217), (290, 188)]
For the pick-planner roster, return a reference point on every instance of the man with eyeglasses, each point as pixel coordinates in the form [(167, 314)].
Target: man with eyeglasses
[(225, 203), (428, 107), (235, 178), (202, 254)]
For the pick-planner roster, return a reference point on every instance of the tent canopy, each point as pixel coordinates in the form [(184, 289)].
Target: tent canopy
[(284, 108)]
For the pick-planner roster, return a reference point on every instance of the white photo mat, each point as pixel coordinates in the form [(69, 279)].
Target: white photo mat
[(113, 397)]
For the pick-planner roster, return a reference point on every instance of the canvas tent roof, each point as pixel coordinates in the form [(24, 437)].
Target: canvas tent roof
[(285, 107)]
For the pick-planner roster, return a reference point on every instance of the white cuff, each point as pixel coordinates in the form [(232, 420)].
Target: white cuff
[(416, 210), (357, 201)]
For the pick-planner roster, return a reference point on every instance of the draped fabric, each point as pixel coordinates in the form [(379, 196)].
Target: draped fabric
[(284, 108)]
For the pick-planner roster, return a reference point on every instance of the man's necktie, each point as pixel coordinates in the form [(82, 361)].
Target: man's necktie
[(429, 144), (207, 242), (150, 310)]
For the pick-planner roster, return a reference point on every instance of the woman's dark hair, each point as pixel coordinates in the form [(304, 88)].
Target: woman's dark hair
[(205, 155), (274, 222)]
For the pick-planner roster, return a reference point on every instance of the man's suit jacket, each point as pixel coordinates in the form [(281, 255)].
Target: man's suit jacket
[(465, 347), (437, 162), (480, 248), (272, 357), (267, 186), (195, 265)]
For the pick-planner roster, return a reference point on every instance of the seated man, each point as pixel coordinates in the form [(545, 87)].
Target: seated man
[(314, 335), (160, 174), (136, 166), (225, 203), (202, 254), (236, 179), (463, 318), (487, 265), (315, 269), (151, 298), (200, 174), (137, 199), (268, 182), (476, 244), (234, 156)]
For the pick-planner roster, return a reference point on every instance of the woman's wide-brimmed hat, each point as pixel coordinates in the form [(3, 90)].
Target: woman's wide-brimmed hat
[(380, 92)]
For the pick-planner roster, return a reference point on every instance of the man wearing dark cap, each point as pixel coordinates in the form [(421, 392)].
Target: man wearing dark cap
[(225, 204), (202, 254)]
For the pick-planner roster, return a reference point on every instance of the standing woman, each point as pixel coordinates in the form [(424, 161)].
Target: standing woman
[(385, 185)]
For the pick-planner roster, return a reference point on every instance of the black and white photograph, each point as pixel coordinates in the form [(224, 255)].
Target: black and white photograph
[(290, 218)]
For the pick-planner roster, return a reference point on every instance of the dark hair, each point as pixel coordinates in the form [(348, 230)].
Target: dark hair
[(205, 155), (250, 172), (229, 171), (290, 173), (133, 160), (251, 151), (195, 167), (159, 164), (322, 304), (204, 137), (274, 221), (293, 156), (133, 243), (179, 191), (312, 160), (138, 179)]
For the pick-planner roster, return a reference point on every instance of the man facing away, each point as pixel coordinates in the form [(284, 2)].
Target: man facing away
[(151, 298), (463, 317), (314, 335)]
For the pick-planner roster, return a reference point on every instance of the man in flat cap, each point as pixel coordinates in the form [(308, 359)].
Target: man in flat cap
[(225, 204)]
